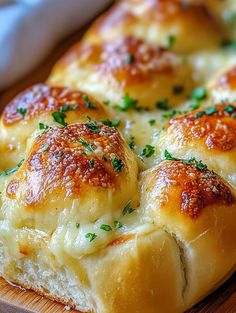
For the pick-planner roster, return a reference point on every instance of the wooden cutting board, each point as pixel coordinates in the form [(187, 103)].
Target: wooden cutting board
[(16, 300)]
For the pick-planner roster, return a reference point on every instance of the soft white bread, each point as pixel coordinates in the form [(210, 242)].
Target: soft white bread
[(126, 65), (197, 208), (157, 21)]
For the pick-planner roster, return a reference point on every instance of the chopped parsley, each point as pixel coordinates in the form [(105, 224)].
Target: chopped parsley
[(91, 236), (91, 163), (130, 59), (148, 151), (59, 117), (58, 155), (162, 104), (210, 111), (109, 123), (229, 45), (195, 105), (22, 111), (117, 164), (77, 225), (171, 114), (43, 126), (89, 103), (199, 93), (132, 143), (44, 148), (127, 104), (151, 122), (178, 89), (93, 127), (12, 170), (106, 102), (68, 107), (198, 164), (229, 109), (127, 209), (90, 147), (117, 224), (170, 41), (106, 227)]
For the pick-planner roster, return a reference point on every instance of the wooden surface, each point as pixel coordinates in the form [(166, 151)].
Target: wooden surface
[(15, 300)]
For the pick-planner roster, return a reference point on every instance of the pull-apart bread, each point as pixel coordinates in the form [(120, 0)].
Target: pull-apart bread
[(118, 175)]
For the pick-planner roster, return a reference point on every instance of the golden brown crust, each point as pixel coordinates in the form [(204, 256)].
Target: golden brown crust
[(198, 188), (69, 159), (40, 99), (227, 80), (216, 128), (127, 60)]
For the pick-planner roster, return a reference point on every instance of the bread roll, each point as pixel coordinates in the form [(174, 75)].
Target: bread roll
[(169, 23), (33, 109)]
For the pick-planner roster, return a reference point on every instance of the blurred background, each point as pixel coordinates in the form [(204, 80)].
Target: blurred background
[(34, 34)]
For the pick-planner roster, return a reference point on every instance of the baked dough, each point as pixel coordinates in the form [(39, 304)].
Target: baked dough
[(118, 175)]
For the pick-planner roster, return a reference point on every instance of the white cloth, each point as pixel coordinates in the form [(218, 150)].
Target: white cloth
[(30, 28)]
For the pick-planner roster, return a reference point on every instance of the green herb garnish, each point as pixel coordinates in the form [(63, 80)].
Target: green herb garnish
[(22, 111), (117, 224), (127, 209), (12, 170), (151, 122), (77, 225), (148, 151), (93, 127), (127, 104), (91, 163), (43, 126), (109, 123), (91, 236), (90, 147), (68, 107), (198, 164), (130, 59), (162, 104), (106, 227), (89, 103), (117, 164), (199, 93), (170, 41), (59, 117)]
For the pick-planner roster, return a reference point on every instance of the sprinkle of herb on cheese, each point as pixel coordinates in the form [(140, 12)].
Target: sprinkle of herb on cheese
[(127, 104), (127, 209), (91, 236), (89, 103), (117, 224), (109, 123), (198, 164), (91, 163), (148, 151), (106, 227), (77, 225), (59, 117), (93, 127), (68, 107), (199, 93)]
